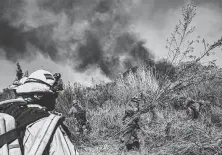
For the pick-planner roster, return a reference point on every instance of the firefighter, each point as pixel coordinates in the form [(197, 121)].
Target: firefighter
[(39, 92), (130, 135), (79, 114), (193, 108)]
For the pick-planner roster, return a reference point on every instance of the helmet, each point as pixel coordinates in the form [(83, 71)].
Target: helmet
[(17, 83), (40, 81)]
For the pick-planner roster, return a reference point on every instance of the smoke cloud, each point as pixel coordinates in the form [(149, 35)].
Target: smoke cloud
[(84, 34)]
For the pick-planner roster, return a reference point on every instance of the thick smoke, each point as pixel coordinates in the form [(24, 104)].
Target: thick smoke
[(83, 33), (14, 38)]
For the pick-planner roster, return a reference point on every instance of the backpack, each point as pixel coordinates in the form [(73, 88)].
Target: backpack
[(15, 115), (7, 123)]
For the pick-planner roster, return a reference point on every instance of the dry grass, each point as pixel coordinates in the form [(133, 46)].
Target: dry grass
[(105, 107), (106, 104)]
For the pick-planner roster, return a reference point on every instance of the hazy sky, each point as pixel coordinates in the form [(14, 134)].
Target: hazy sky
[(54, 34)]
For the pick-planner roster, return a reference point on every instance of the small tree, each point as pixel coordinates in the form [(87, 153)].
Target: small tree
[(180, 52), (19, 72)]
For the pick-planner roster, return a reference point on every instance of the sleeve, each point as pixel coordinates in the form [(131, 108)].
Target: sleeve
[(61, 144)]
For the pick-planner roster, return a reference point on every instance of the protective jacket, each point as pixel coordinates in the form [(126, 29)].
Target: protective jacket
[(58, 144), (31, 130)]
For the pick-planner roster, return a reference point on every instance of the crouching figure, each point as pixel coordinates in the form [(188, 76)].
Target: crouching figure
[(79, 114), (37, 130), (193, 108), (130, 136)]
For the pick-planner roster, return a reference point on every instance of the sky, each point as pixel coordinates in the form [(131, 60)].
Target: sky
[(90, 40)]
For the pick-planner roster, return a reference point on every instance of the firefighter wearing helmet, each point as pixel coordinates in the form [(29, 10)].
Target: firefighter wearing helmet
[(46, 134)]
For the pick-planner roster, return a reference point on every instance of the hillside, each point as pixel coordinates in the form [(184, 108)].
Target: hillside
[(162, 90), (166, 124), (106, 105)]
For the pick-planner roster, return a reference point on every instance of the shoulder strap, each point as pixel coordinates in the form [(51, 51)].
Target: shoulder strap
[(44, 135), (14, 134)]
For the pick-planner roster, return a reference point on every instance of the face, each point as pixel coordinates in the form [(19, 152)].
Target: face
[(49, 101)]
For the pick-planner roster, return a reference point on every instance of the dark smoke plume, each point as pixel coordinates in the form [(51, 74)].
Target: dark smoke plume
[(103, 40), (89, 53), (14, 40), (41, 38)]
